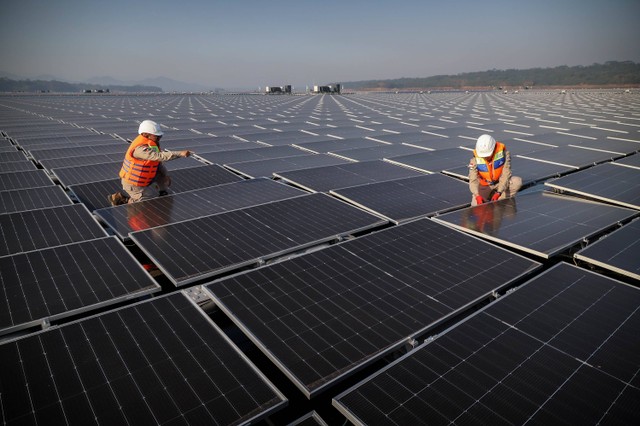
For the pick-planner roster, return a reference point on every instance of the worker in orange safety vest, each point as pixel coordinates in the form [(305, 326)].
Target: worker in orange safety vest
[(490, 176), (143, 174)]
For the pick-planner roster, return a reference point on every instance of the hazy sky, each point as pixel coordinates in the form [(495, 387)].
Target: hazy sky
[(232, 44)]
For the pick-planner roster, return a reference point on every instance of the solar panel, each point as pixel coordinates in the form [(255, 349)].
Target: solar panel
[(80, 151), (17, 166), (337, 144), (618, 251), (376, 152), (630, 161), (321, 316), (12, 156), (96, 172), (606, 182), (559, 350), (193, 204), (404, 199), (94, 194), (530, 171), (32, 198), (322, 179), (23, 180), (616, 146), (540, 223), (192, 250), (572, 156), (56, 282), (36, 229), (224, 157), (157, 362), (55, 163), (266, 168), (435, 161)]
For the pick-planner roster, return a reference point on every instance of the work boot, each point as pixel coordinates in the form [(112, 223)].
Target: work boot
[(117, 199)]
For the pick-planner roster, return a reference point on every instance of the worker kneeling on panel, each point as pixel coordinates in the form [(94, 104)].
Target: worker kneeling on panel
[(490, 176), (143, 174)]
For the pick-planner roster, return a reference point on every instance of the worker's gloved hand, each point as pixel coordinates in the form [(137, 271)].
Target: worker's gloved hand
[(479, 199), (496, 196), (185, 153)]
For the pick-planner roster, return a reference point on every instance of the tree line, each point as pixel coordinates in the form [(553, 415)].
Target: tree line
[(44, 86), (612, 73)]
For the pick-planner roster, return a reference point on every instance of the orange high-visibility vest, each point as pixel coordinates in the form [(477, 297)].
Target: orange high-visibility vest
[(139, 172), (490, 171)]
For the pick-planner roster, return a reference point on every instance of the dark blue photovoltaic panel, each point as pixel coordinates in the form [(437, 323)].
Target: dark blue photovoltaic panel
[(266, 168), (74, 175), (618, 251), (540, 223), (324, 314), (25, 179), (64, 280), (559, 350), (54, 226), (194, 204), (32, 199), (607, 182), (199, 248), (404, 199), (158, 362), (321, 179), (94, 194)]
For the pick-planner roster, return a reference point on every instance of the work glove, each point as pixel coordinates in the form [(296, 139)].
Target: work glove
[(479, 199), (496, 196)]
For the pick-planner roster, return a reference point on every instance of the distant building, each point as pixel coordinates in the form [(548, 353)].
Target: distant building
[(278, 89), (328, 89)]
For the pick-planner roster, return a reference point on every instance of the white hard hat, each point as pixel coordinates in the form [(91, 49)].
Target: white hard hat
[(485, 145), (151, 127)]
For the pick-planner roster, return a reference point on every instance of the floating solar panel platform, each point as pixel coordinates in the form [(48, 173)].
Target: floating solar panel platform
[(53, 283), (376, 152), (616, 146), (618, 251), (41, 154), (606, 182), (572, 156), (193, 204), (32, 199), (630, 161), (17, 166), (266, 168), (10, 157), (325, 146), (22, 180), (539, 223), (530, 171), (225, 157), (321, 179), (37, 229), (94, 194), (322, 316), (200, 248), (75, 175), (56, 163), (157, 362), (559, 350), (405, 199), (434, 161)]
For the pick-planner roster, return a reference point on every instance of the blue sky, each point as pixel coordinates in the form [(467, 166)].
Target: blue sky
[(247, 44)]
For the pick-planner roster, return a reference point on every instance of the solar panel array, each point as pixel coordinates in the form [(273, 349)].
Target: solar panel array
[(322, 286), (555, 351), (160, 362)]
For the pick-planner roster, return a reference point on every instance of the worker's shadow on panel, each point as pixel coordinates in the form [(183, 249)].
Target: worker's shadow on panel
[(487, 218)]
